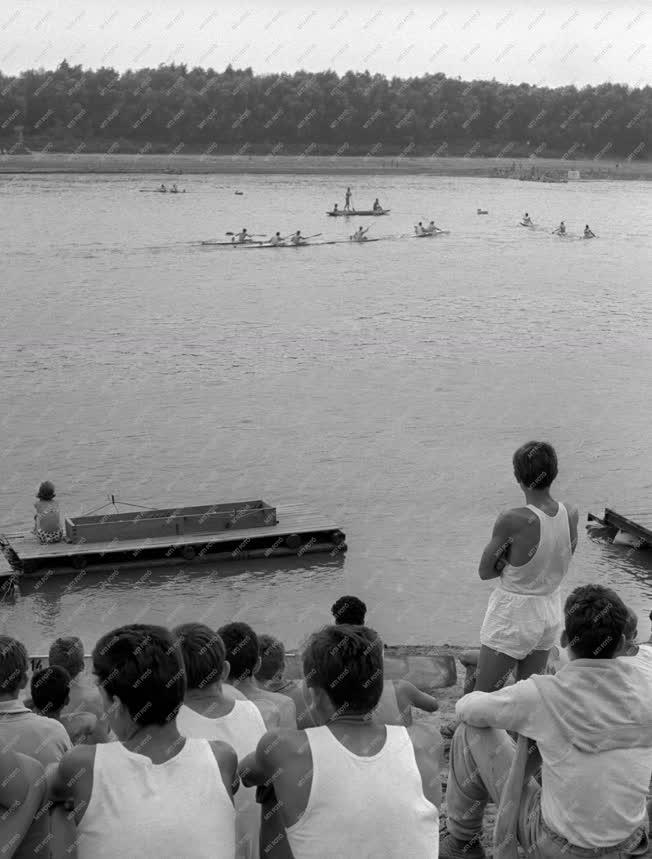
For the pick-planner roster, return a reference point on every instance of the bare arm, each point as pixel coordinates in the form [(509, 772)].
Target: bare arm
[(253, 768), (13, 782), (416, 698), (428, 755), (496, 552), (227, 760), (573, 521)]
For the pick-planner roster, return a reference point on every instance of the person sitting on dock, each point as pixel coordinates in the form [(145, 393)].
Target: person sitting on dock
[(591, 723), (47, 519), (529, 553), (350, 787), (242, 654), (84, 696), (209, 714), (20, 729), (50, 690), (155, 792)]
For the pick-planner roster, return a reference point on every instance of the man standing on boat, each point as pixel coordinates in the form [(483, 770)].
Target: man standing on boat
[(529, 553), (347, 200)]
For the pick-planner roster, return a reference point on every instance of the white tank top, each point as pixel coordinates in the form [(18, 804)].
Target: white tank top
[(242, 728), (365, 807), (543, 573), (138, 808)]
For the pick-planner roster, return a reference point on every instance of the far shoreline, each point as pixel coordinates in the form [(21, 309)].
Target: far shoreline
[(337, 165)]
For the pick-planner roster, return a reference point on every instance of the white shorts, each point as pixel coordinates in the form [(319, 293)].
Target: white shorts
[(517, 624)]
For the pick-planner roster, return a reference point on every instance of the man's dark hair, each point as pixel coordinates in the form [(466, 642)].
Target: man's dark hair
[(13, 665), (272, 657), (595, 620), (203, 652), (50, 688), (349, 610), (346, 661), (68, 653), (241, 644), (535, 464), (142, 666)]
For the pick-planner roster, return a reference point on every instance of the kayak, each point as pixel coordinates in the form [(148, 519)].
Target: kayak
[(431, 235), (362, 212), (235, 244), (523, 224), (268, 246), (158, 191)]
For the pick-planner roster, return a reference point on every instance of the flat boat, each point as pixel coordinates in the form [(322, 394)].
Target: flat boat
[(364, 213), (227, 532)]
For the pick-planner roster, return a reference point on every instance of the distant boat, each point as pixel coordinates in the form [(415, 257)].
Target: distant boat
[(483, 211), (353, 213), (239, 193)]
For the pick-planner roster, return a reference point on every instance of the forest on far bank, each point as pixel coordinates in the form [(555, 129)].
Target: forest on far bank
[(172, 109)]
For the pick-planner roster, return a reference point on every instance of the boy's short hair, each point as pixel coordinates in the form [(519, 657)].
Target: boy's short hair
[(241, 644), (68, 653), (595, 620), (535, 464), (203, 652), (50, 688), (346, 661), (272, 657), (13, 665), (349, 610), (142, 666)]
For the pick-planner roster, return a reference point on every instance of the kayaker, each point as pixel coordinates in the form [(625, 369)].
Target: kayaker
[(561, 229), (431, 228), (335, 209), (359, 235), (347, 200), (276, 240), (174, 189), (377, 206), (243, 235), (420, 229), (527, 220), (298, 239), (163, 189), (588, 233)]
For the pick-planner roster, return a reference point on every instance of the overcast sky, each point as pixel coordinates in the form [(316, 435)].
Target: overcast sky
[(560, 43)]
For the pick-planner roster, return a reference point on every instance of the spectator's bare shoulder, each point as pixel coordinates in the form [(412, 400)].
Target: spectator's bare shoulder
[(425, 738)]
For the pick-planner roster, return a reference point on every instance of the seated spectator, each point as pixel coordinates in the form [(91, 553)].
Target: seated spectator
[(21, 730), (47, 519), (68, 653), (272, 667), (399, 696), (209, 714), (50, 688), (153, 793), (351, 788), (241, 645), (591, 722), (23, 831)]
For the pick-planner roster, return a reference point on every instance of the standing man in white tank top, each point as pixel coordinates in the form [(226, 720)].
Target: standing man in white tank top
[(153, 793), (351, 788), (529, 553)]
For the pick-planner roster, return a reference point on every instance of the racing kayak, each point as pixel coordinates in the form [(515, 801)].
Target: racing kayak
[(362, 212), (430, 235), (158, 191), (267, 246), (523, 224)]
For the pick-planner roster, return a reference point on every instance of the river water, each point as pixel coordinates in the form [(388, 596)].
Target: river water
[(385, 385)]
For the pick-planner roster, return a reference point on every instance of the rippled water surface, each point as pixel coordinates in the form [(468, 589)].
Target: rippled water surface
[(385, 385)]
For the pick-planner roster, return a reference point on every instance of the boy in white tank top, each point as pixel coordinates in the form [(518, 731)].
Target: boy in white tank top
[(530, 551), (154, 792), (351, 788), (210, 714)]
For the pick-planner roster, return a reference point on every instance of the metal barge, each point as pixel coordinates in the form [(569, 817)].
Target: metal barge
[(623, 530), (219, 532)]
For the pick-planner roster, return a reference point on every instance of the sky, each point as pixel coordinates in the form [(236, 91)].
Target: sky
[(558, 44)]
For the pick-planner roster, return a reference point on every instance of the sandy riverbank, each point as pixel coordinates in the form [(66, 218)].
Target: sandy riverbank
[(161, 165)]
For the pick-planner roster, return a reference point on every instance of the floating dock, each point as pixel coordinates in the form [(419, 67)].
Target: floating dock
[(633, 530), (221, 532)]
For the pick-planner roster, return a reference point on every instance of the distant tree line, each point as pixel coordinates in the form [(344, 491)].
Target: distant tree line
[(173, 108)]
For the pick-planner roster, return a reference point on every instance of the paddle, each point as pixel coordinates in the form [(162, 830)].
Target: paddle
[(251, 235)]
